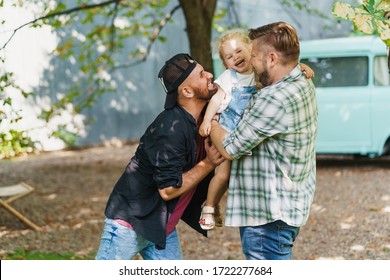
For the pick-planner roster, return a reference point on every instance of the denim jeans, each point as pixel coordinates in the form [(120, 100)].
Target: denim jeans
[(122, 243), (273, 241)]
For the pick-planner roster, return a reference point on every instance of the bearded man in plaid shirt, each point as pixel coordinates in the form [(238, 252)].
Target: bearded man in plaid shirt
[(273, 173)]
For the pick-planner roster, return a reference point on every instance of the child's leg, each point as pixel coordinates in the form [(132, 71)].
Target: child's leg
[(218, 184), (217, 188)]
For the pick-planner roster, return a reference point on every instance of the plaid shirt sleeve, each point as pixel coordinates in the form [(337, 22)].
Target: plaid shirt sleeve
[(265, 116)]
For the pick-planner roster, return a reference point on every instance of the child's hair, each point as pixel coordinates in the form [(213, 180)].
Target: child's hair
[(239, 34)]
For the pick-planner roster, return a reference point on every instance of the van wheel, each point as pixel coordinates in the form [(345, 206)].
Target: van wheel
[(365, 156), (386, 148)]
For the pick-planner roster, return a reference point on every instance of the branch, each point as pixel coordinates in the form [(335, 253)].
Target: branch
[(287, 11), (152, 39), (115, 13), (66, 12)]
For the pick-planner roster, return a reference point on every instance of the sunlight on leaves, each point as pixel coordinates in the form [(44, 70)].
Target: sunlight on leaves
[(343, 10), (369, 18)]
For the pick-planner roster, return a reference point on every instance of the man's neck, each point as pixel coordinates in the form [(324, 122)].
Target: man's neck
[(281, 72), (194, 108)]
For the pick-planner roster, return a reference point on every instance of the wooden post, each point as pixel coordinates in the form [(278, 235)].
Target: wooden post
[(19, 216)]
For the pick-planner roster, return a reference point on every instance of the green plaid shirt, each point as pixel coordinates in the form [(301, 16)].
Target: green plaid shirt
[(273, 174)]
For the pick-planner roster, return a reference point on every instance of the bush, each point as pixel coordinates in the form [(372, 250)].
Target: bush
[(15, 143)]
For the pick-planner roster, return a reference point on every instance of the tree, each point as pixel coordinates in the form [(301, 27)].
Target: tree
[(199, 17), (124, 20), (103, 31), (371, 17)]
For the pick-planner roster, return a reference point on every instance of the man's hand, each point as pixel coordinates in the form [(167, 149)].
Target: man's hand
[(213, 156), (195, 175), (217, 135)]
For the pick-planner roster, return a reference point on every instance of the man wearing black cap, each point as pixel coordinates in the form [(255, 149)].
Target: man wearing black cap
[(169, 172)]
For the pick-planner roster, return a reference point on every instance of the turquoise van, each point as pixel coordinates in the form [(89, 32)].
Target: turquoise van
[(353, 94)]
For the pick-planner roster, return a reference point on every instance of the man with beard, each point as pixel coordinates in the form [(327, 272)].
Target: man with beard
[(273, 174), (168, 173)]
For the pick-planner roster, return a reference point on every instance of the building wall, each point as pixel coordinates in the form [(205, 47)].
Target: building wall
[(309, 26), (125, 114)]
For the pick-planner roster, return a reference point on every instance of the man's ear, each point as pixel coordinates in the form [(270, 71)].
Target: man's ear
[(187, 92), (273, 58)]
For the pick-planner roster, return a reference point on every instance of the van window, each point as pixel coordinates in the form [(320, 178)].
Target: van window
[(381, 71), (339, 71)]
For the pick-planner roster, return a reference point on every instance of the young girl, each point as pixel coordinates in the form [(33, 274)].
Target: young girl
[(236, 86)]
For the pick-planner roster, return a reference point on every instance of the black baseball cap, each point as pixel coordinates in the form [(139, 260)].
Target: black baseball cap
[(173, 74)]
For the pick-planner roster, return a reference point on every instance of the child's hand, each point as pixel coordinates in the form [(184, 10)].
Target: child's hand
[(309, 72), (204, 129)]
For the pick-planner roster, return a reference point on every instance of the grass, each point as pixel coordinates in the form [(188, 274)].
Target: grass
[(21, 254)]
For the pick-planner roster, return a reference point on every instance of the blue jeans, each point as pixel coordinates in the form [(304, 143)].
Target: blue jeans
[(122, 243), (273, 241)]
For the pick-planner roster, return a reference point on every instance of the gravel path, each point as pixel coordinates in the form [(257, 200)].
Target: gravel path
[(350, 217)]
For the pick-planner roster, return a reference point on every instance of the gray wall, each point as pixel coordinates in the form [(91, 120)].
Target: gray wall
[(309, 26), (125, 114)]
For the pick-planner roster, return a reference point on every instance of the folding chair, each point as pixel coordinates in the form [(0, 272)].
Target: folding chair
[(13, 193)]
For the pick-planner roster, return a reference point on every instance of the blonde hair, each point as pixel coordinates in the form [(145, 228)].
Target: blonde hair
[(238, 34)]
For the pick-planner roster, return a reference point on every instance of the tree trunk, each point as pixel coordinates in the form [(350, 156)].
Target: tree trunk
[(199, 16), (387, 15), (388, 58)]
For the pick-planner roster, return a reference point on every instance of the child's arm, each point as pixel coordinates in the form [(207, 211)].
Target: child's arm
[(309, 72), (212, 109)]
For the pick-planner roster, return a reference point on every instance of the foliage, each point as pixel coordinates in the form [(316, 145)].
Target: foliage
[(371, 17), (13, 142), (96, 46), (22, 254), (97, 34)]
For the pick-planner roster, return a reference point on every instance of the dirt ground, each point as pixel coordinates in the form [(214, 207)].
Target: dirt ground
[(350, 217)]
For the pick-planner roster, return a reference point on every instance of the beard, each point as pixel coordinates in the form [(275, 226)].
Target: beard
[(264, 78), (213, 88), (205, 94)]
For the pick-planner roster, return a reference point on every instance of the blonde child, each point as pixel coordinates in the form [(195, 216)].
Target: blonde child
[(236, 86)]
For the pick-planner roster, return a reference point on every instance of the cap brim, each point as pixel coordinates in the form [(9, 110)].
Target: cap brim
[(170, 100)]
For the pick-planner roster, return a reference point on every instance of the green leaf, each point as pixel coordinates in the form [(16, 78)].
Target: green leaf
[(61, 6), (370, 6), (8, 101), (162, 39)]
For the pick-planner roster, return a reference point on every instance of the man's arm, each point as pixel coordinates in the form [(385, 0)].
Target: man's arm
[(195, 175)]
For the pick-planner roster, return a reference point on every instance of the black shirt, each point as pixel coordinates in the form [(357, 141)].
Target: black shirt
[(168, 149)]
